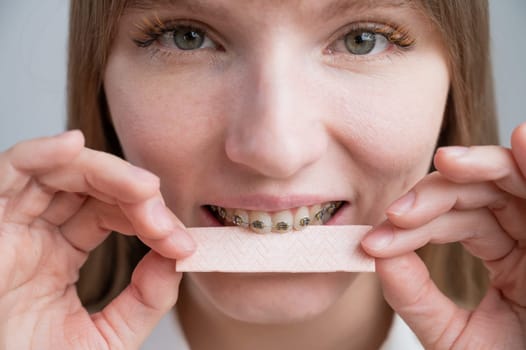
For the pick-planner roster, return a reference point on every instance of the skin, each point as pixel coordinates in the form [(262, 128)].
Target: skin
[(350, 130), (279, 139)]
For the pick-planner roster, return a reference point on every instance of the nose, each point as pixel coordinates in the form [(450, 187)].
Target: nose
[(276, 129)]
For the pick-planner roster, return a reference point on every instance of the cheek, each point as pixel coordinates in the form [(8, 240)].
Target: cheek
[(167, 123), (390, 124), (170, 125), (161, 114)]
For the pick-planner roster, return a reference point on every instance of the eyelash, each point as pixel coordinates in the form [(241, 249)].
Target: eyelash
[(395, 34), (150, 32)]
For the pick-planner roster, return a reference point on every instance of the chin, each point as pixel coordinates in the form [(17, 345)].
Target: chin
[(264, 298)]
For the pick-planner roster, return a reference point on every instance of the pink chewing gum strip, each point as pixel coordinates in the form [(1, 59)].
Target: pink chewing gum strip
[(314, 249)]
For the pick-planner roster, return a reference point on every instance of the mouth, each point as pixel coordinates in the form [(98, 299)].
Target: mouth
[(279, 222)]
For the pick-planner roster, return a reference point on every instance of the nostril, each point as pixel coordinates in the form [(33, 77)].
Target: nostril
[(275, 143), (274, 157), (233, 148)]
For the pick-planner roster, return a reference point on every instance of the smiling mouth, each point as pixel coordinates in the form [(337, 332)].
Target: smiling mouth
[(279, 222)]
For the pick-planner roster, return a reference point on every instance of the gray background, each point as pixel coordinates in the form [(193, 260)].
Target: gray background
[(33, 61)]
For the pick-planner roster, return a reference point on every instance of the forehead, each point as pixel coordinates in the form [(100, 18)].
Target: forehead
[(326, 8)]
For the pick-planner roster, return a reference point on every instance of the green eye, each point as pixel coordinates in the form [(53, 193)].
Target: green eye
[(365, 40), (173, 36), (360, 42), (188, 38)]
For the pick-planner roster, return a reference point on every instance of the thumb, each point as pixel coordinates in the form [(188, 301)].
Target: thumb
[(408, 288), (128, 320)]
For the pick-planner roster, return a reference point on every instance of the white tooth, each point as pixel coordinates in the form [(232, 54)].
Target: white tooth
[(260, 222), (301, 218), (229, 214), (240, 218), (314, 220), (282, 221)]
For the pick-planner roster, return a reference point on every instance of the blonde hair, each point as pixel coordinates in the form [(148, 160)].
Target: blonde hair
[(469, 119)]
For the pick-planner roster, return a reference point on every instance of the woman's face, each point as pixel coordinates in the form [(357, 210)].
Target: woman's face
[(275, 105)]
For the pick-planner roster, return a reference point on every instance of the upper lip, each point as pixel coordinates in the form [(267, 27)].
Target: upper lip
[(270, 203)]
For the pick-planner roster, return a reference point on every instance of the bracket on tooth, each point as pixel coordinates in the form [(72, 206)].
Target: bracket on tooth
[(326, 212), (238, 220), (257, 224), (304, 222), (221, 212), (321, 216), (282, 227)]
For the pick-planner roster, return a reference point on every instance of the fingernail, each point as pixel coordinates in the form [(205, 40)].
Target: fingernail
[(455, 151), (183, 241), (403, 204), (162, 218), (66, 133), (379, 239)]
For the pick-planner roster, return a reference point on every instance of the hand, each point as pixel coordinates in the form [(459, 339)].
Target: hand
[(58, 201), (477, 197)]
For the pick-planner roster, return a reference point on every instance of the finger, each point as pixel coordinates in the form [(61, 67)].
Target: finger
[(115, 181), (505, 274), (518, 147), (493, 311), (130, 318), (26, 158), (436, 195), (63, 206), (510, 215), (63, 164), (477, 229), (133, 190), (408, 288), (24, 207), (3, 203), (92, 224), (482, 163), (103, 176)]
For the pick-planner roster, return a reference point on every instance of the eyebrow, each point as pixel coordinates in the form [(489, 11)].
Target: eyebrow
[(338, 7), (333, 9)]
